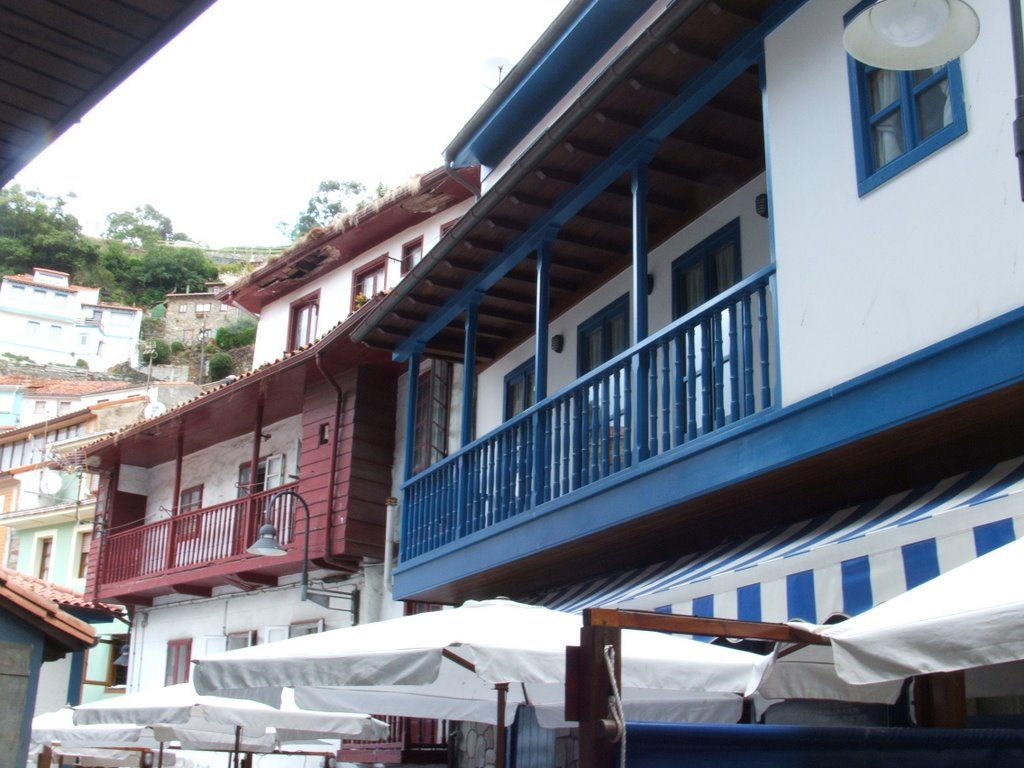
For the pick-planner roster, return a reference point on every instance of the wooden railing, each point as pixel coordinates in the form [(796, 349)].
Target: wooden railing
[(708, 369), (204, 535)]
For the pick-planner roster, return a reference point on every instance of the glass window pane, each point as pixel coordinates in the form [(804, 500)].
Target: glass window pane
[(934, 110), (888, 139), (618, 338), (693, 287), (723, 269), (883, 89)]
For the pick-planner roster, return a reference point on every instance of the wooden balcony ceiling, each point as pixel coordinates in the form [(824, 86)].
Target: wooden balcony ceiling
[(60, 59), (702, 161)]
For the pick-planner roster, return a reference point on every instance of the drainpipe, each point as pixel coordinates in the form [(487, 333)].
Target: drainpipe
[(339, 404), (1018, 67), (390, 525)]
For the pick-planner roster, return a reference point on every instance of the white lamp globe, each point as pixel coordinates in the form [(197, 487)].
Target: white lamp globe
[(909, 23)]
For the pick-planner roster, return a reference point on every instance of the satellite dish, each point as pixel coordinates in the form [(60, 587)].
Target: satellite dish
[(153, 410), (51, 482)]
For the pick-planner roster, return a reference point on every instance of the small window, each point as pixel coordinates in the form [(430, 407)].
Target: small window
[(303, 321), (433, 407), (225, 307), (447, 226), (84, 543), (202, 308), (60, 299), (899, 118), (182, 308), (604, 335), (241, 639), (191, 499), (44, 557), (301, 628), (412, 254), (368, 281), (39, 406), (34, 328), (269, 474), (706, 270), (38, 296), (55, 332), (179, 656), (64, 406), (18, 291), (520, 389)]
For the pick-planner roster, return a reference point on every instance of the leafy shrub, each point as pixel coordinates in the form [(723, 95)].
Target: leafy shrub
[(220, 365), (177, 347), (240, 333)]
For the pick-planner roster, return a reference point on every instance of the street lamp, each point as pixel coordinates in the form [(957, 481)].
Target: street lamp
[(921, 34), (911, 34), (267, 545)]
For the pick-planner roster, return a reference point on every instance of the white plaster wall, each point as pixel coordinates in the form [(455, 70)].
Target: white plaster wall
[(216, 468), (336, 286), (754, 250), (935, 251)]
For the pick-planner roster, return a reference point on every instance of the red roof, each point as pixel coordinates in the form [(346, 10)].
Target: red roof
[(63, 632), (55, 593)]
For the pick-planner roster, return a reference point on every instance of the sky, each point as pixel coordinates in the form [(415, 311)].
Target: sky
[(231, 127)]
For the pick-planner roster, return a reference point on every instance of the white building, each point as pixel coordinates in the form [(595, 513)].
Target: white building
[(52, 321)]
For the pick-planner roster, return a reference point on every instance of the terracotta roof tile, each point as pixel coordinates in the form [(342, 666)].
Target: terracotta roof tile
[(55, 593)]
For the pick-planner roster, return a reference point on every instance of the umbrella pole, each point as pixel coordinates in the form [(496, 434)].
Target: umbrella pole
[(499, 736), (238, 743), (160, 756)]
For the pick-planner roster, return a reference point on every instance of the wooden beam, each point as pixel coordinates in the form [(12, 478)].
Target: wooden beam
[(700, 625)]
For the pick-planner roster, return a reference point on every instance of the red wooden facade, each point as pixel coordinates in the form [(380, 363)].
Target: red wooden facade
[(345, 398)]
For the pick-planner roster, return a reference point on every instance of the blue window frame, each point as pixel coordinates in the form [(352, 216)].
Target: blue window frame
[(603, 336), (899, 118), (706, 270), (520, 389)]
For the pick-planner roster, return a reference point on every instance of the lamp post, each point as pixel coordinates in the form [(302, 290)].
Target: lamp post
[(920, 34), (267, 545)]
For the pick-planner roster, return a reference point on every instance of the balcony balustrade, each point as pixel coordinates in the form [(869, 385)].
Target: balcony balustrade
[(183, 541), (703, 372)]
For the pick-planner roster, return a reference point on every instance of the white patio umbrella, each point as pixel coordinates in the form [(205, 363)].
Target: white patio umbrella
[(446, 664), (92, 744), (971, 616), (178, 713)]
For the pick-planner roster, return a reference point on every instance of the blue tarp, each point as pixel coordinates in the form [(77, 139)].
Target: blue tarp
[(654, 745)]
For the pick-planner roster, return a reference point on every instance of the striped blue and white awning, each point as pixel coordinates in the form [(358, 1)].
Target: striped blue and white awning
[(844, 562)]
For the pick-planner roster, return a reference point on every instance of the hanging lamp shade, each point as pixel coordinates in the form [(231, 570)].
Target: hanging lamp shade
[(267, 544), (911, 34)]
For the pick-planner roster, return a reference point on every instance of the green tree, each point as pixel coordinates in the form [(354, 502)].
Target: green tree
[(36, 231), (141, 227), (220, 365), (240, 333), (163, 269), (332, 199)]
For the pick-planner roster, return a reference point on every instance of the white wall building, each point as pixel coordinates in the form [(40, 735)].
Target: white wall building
[(53, 321)]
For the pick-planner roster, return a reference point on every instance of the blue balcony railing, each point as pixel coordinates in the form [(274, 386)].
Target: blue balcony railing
[(706, 370)]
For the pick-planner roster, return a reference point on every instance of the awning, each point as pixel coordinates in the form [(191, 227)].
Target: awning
[(843, 562)]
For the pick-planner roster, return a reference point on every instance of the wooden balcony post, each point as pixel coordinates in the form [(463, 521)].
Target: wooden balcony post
[(594, 686), (940, 700)]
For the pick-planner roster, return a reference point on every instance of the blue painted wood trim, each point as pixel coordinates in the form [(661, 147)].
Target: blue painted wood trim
[(410, 413), (962, 368), (543, 310), (469, 372), (735, 59)]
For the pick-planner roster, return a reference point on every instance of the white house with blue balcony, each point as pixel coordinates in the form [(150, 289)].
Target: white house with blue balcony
[(738, 321)]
